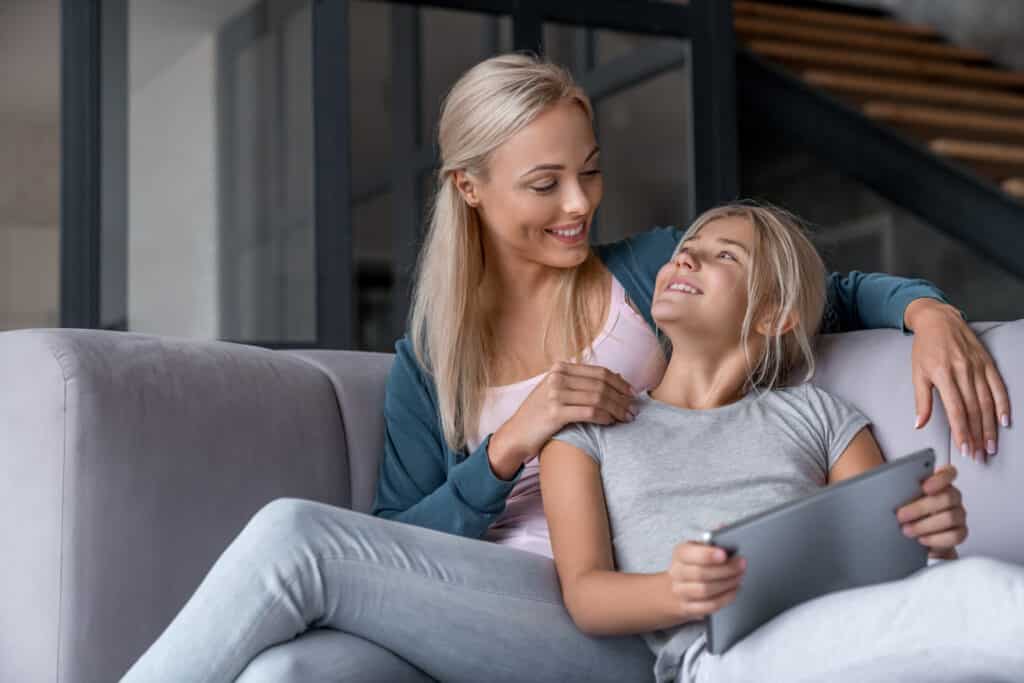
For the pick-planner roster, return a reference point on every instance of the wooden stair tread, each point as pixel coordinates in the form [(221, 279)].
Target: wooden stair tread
[(944, 118), (972, 150), (1014, 186), (833, 19), (930, 92), (768, 28), (889, 64)]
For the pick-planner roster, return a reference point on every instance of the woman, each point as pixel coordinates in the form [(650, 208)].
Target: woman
[(727, 433), (507, 283)]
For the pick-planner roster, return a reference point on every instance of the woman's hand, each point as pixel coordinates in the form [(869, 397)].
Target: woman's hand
[(703, 579), (937, 519), (948, 356), (570, 392)]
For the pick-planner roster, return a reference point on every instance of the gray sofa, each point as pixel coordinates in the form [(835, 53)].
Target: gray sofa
[(128, 462)]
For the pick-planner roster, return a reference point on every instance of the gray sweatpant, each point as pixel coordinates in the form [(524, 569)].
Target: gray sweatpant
[(960, 621), (413, 604)]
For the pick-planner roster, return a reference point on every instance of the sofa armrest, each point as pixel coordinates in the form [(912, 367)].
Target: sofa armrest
[(127, 464)]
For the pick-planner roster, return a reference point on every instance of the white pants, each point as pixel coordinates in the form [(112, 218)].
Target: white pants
[(959, 621)]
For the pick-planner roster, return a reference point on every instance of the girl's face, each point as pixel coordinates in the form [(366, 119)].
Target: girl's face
[(703, 289), (541, 191)]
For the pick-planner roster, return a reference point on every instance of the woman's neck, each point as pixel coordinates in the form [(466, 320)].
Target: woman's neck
[(699, 377)]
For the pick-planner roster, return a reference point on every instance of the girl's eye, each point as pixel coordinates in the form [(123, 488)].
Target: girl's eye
[(727, 255)]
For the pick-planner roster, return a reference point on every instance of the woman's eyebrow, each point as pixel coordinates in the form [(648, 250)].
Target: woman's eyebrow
[(559, 167)]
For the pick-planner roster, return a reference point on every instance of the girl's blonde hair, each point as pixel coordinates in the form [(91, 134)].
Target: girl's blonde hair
[(785, 283), (448, 326)]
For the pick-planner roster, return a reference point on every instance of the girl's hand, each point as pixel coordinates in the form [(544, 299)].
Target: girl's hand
[(703, 579), (937, 519), (948, 356), (570, 392)]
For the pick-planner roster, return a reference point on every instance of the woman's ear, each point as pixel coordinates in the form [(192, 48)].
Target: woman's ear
[(466, 186)]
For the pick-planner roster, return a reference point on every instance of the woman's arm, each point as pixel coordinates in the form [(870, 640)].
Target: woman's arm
[(938, 518), (601, 600), (415, 485)]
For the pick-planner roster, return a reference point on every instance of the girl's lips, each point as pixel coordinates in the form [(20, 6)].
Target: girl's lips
[(686, 282)]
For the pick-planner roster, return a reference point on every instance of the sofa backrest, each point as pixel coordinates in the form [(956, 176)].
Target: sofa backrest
[(870, 368)]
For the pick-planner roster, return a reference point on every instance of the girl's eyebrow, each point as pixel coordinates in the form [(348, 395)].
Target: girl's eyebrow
[(724, 240), (559, 167)]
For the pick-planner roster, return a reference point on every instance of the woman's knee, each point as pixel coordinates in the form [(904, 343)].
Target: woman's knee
[(288, 520)]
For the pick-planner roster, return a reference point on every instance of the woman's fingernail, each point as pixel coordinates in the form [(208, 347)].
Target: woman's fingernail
[(979, 455), (917, 422), (1005, 420), (990, 446), (964, 451)]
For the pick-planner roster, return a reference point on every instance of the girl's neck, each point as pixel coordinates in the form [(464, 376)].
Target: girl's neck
[(699, 377)]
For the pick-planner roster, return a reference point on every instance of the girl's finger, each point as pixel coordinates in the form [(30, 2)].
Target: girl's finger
[(944, 540), (943, 521)]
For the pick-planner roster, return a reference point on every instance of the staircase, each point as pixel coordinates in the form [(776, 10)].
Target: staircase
[(935, 127)]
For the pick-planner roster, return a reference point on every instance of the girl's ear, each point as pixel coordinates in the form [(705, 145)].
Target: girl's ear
[(466, 186), (769, 324)]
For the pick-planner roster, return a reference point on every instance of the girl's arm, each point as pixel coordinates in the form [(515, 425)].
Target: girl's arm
[(938, 518), (601, 600)]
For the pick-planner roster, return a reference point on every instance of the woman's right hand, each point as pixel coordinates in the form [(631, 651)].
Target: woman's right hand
[(703, 580), (570, 392)]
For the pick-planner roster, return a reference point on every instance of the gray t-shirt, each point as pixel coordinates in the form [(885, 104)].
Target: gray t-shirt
[(672, 474)]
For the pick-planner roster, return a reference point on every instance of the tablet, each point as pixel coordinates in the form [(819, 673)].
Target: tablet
[(841, 537)]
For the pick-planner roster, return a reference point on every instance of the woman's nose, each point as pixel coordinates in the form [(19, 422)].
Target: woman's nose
[(576, 202)]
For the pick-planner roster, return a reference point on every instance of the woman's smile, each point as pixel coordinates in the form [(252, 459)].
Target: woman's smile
[(572, 233)]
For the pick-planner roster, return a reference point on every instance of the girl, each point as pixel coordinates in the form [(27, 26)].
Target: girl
[(727, 433), (507, 284)]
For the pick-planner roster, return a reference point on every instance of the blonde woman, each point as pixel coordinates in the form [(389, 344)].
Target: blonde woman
[(733, 429), (518, 328)]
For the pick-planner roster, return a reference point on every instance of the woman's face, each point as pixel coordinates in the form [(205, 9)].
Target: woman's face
[(703, 289), (541, 191)]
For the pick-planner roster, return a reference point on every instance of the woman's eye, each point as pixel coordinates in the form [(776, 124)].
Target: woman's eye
[(593, 172), (543, 188)]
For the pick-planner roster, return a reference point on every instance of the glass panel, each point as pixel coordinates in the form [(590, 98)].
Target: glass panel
[(857, 229), (645, 136), (30, 164), (220, 214)]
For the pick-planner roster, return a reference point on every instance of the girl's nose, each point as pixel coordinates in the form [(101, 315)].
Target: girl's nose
[(686, 259)]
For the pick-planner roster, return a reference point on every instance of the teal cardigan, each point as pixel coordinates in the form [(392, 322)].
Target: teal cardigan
[(423, 482)]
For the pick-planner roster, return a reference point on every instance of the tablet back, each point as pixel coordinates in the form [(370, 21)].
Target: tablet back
[(844, 536)]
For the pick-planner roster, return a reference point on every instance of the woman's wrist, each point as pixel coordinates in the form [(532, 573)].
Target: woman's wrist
[(920, 312), (503, 458)]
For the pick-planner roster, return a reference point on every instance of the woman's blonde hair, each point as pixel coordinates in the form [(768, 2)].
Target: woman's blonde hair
[(785, 284), (448, 326)]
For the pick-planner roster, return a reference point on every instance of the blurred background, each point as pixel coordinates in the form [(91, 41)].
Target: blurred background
[(177, 167)]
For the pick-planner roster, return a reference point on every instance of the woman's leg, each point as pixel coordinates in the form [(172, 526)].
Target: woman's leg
[(324, 655), (455, 608), (959, 621)]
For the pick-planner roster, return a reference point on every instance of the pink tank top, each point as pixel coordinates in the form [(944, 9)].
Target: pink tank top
[(625, 345)]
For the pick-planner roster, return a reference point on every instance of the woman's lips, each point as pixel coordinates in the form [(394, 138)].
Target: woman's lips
[(568, 234)]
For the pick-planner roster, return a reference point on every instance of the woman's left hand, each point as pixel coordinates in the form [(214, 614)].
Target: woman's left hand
[(948, 356), (937, 519)]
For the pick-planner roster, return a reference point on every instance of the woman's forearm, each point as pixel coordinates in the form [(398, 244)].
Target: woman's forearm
[(610, 603)]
